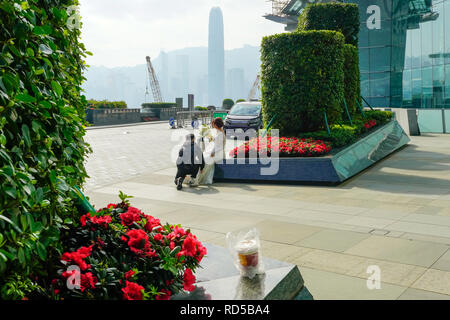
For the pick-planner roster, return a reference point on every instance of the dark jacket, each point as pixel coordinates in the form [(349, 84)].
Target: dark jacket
[(190, 156)]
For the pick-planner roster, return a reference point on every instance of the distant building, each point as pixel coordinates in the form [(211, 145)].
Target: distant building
[(182, 73), (235, 88), (216, 58), (164, 75)]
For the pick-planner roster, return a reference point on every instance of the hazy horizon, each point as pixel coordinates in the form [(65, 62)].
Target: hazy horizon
[(121, 33)]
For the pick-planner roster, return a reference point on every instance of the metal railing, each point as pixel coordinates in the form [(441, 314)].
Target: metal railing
[(186, 119)]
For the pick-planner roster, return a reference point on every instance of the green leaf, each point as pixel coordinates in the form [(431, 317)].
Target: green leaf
[(30, 52), (43, 30), (45, 104), (7, 254), (2, 217), (42, 251), (21, 256), (26, 134), (10, 191), (57, 87), (2, 139), (24, 97)]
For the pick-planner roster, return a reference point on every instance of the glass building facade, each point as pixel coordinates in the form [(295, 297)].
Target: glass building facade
[(404, 49)]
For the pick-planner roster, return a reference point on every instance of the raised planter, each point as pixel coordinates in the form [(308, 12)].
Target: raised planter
[(331, 169)]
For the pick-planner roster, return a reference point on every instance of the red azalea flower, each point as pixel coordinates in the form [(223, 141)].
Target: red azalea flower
[(129, 274), (190, 245), (151, 223), (111, 206), (188, 280), (130, 216), (158, 237), (139, 244), (88, 281), (78, 257), (132, 291), (164, 295)]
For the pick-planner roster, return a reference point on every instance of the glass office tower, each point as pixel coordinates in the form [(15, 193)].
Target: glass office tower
[(404, 48)]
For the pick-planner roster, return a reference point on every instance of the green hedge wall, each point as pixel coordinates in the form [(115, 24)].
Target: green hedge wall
[(41, 136), (302, 77), (343, 17), (105, 104), (159, 105), (352, 78)]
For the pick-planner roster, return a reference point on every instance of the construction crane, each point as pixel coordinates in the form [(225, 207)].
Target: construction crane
[(154, 83), (256, 86)]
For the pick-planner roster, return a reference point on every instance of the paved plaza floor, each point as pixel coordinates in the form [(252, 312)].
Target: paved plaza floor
[(395, 215)]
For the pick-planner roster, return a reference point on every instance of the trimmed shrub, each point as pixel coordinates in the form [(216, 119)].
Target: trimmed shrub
[(227, 104), (105, 104), (42, 150), (352, 87), (343, 17), (301, 79), (199, 108), (240, 100), (159, 105), (343, 135)]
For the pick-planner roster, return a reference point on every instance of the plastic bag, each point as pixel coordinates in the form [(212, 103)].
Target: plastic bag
[(245, 248)]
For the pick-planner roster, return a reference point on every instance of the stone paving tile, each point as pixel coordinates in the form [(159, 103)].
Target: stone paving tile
[(325, 285), (391, 272), (329, 261), (416, 294), (375, 223), (332, 240), (443, 263), (284, 232), (421, 229), (435, 281), (419, 253)]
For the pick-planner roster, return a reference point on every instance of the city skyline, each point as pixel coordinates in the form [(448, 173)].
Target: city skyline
[(120, 33)]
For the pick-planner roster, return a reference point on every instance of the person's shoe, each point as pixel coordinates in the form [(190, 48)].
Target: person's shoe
[(180, 184), (176, 181), (192, 183)]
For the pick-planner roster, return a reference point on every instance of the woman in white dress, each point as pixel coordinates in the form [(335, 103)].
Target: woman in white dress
[(214, 152)]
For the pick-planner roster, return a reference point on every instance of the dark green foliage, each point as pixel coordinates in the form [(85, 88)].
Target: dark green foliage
[(227, 104), (199, 108), (343, 135), (378, 115), (240, 100), (301, 79), (159, 105), (343, 17), (351, 78), (105, 104), (41, 136)]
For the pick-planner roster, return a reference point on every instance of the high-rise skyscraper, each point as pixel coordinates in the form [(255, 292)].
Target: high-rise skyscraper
[(216, 58)]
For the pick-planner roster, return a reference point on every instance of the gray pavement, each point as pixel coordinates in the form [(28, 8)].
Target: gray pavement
[(395, 215)]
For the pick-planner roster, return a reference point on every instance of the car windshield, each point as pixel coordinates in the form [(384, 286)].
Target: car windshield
[(245, 110)]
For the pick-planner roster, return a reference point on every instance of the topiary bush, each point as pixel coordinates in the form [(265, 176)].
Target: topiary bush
[(301, 79), (343, 17), (352, 88), (41, 136), (227, 104)]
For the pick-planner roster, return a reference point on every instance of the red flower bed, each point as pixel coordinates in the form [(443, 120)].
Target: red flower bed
[(370, 124), (286, 147), (122, 253)]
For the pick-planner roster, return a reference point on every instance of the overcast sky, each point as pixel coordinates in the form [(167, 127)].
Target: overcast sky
[(123, 32)]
